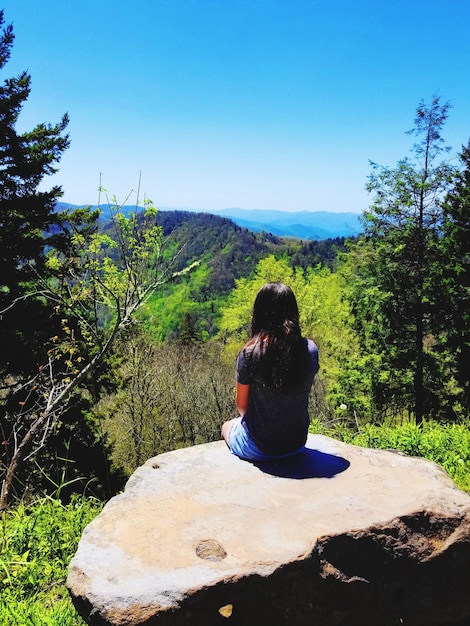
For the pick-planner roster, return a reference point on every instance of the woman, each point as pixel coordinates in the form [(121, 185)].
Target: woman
[(275, 372)]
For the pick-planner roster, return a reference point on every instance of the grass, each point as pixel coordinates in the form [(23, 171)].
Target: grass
[(37, 541)]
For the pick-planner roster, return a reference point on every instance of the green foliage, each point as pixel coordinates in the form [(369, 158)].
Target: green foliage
[(31, 225), (96, 290), (37, 541), (313, 253), (324, 316), (27, 214), (446, 444), (227, 250), (236, 314), (108, 274), (29, 221), (454, 301), (395, 281), (165, 311)]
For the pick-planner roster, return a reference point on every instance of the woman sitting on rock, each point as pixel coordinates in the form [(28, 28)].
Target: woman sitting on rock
[(275, 372)]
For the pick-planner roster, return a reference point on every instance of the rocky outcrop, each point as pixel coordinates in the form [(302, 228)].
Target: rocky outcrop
[(340, 535)]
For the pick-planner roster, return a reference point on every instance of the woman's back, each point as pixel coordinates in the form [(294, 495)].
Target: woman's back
[(277, 417), (275, 372)]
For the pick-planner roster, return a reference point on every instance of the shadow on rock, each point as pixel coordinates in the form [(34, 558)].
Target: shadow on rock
[(307, 464)]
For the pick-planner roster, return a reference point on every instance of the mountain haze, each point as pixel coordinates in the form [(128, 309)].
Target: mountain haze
[(306, 225), (301, 225)]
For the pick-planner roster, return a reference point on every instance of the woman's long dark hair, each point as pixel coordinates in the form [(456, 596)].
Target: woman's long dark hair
[(276, 332)]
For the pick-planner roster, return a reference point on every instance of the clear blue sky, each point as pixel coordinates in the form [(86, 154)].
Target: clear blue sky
[(263, 104)]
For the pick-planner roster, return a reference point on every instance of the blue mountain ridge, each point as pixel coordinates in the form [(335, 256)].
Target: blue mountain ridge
[(307, 225), (299, 224)]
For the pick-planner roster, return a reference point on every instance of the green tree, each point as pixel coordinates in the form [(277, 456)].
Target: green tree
[(96, 290), (397, 277), (28, 219), (455, 303), (30, 225)]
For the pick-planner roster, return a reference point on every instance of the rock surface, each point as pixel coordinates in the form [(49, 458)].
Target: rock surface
[(340, 535)]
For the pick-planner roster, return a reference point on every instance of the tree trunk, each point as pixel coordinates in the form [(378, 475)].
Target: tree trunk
[(419, 368)]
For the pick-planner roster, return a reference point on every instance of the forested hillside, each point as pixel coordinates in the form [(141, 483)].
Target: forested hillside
[(219, 253), (228, 250)]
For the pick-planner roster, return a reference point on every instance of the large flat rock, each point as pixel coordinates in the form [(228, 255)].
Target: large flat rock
[(338, 535)]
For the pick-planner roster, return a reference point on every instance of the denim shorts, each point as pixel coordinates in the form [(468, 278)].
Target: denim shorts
[(243, 446)]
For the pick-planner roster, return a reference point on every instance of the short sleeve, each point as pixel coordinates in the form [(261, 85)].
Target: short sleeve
[(313, 351), (244, 367)]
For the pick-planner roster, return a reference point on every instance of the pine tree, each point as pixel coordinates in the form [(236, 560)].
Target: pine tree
[(28, 219), (399, 279), (455, 301), (30, 227), (67, 289)]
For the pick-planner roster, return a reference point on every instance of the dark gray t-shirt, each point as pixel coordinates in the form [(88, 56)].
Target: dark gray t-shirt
[(276, 420)]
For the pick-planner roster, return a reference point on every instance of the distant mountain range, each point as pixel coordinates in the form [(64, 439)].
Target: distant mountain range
[(306, 225), (301, 225)]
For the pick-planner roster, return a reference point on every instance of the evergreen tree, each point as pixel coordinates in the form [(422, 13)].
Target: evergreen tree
[(455, 303), (398, 281), (28, 220), (30, 227)]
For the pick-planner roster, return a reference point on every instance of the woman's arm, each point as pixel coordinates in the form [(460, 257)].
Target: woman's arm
[(241, 398)]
